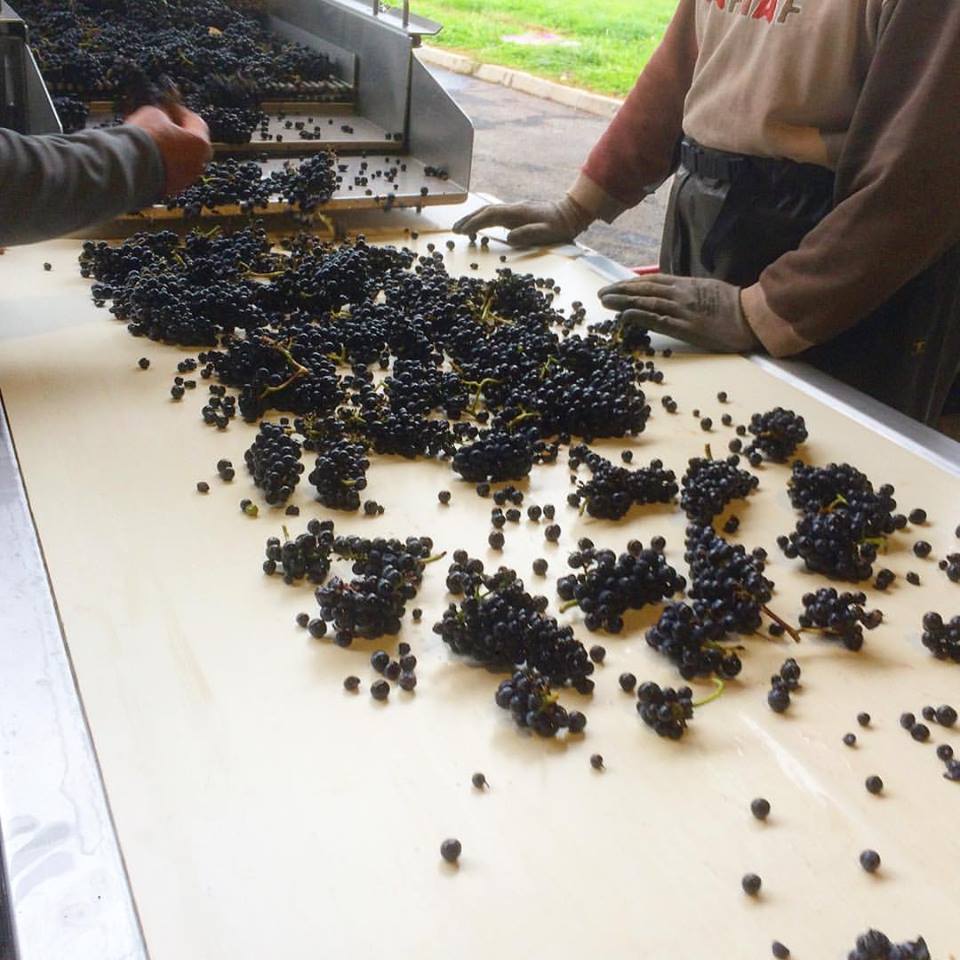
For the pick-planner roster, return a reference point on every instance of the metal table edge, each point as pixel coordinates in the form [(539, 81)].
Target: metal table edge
[(66, 889), (907, 433)]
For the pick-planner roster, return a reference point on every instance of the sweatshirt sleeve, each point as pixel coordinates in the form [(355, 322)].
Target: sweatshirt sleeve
[(636, 152), (898, 189), (52, 185)]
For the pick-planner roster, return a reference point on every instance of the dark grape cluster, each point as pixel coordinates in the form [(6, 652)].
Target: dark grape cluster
[(274, 461), (225, 183), (777, 434), (709, 485), (498, 623), (727, 580), (942, 637), (844, 520), (231, 125), (497, 455), (97, 50), (839, 616), (340, 474), (612, 490), (532, 704), (874, 945), (386, 575), (782, 684), (72, 112), (608, 585), (690, 638), (309, 184), (305, 556), (665, 709)]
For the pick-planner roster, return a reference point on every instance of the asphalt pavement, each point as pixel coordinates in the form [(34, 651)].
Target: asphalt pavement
[(528, 148)]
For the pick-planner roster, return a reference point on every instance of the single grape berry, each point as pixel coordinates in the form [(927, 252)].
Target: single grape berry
[(203, 487), (780, 951), (596, 761), (303, 620), (576, 721), (870, 861), (751, 884), (450, 850), (919, 515), (760, 808), (380, 690), (850, 739), (863, 719), (552, 533), (351, 683), (444, 496), (873, 784), (946, 715), (597, 653), (143, 363), (479, 781), (627, 682), (540, 567)]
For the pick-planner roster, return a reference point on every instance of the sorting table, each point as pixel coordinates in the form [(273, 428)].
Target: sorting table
[(182, 774)]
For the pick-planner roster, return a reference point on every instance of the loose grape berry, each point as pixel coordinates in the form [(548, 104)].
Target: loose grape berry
[(751, 884), (380, 690), (874, 784), (870, 861), (351, 683), (760, 808), (479, 781), (450, 850)]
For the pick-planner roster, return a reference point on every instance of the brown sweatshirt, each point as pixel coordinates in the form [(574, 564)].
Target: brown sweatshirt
[(868, 88)]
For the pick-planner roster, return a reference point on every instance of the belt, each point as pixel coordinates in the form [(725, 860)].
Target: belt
[(712, 164)]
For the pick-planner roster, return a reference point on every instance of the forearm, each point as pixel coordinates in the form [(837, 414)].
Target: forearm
[(635, 154), (52, 185), (898, 188)]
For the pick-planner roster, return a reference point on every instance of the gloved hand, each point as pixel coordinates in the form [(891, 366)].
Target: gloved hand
[(183, 140), (532, 223), (704, 312)]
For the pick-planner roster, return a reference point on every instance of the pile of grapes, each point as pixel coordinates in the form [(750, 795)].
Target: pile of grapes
[(91, 48)]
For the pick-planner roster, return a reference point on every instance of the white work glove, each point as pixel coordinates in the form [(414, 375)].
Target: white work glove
[(532, 223), (181, 137), (704, 312)]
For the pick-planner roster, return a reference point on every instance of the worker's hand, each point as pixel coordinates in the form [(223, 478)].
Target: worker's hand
[(183, 140), (531, 223), (706, 313)]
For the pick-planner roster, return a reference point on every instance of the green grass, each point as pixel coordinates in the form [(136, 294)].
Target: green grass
[(615, 37)]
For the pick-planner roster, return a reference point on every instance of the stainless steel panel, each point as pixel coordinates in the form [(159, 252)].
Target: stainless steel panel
[(383, 52), (63, 875), (41, 115), (440, 133)]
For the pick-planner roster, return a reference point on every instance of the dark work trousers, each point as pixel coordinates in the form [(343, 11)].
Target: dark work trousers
[(730, 216)]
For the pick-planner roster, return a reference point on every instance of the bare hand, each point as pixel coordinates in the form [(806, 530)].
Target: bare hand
[(703, 312), (183, 140), (532, 223)]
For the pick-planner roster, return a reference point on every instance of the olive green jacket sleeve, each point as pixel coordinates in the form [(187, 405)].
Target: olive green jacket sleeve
[(52, 185)]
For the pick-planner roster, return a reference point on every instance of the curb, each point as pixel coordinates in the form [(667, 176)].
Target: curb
[(595, 103)]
